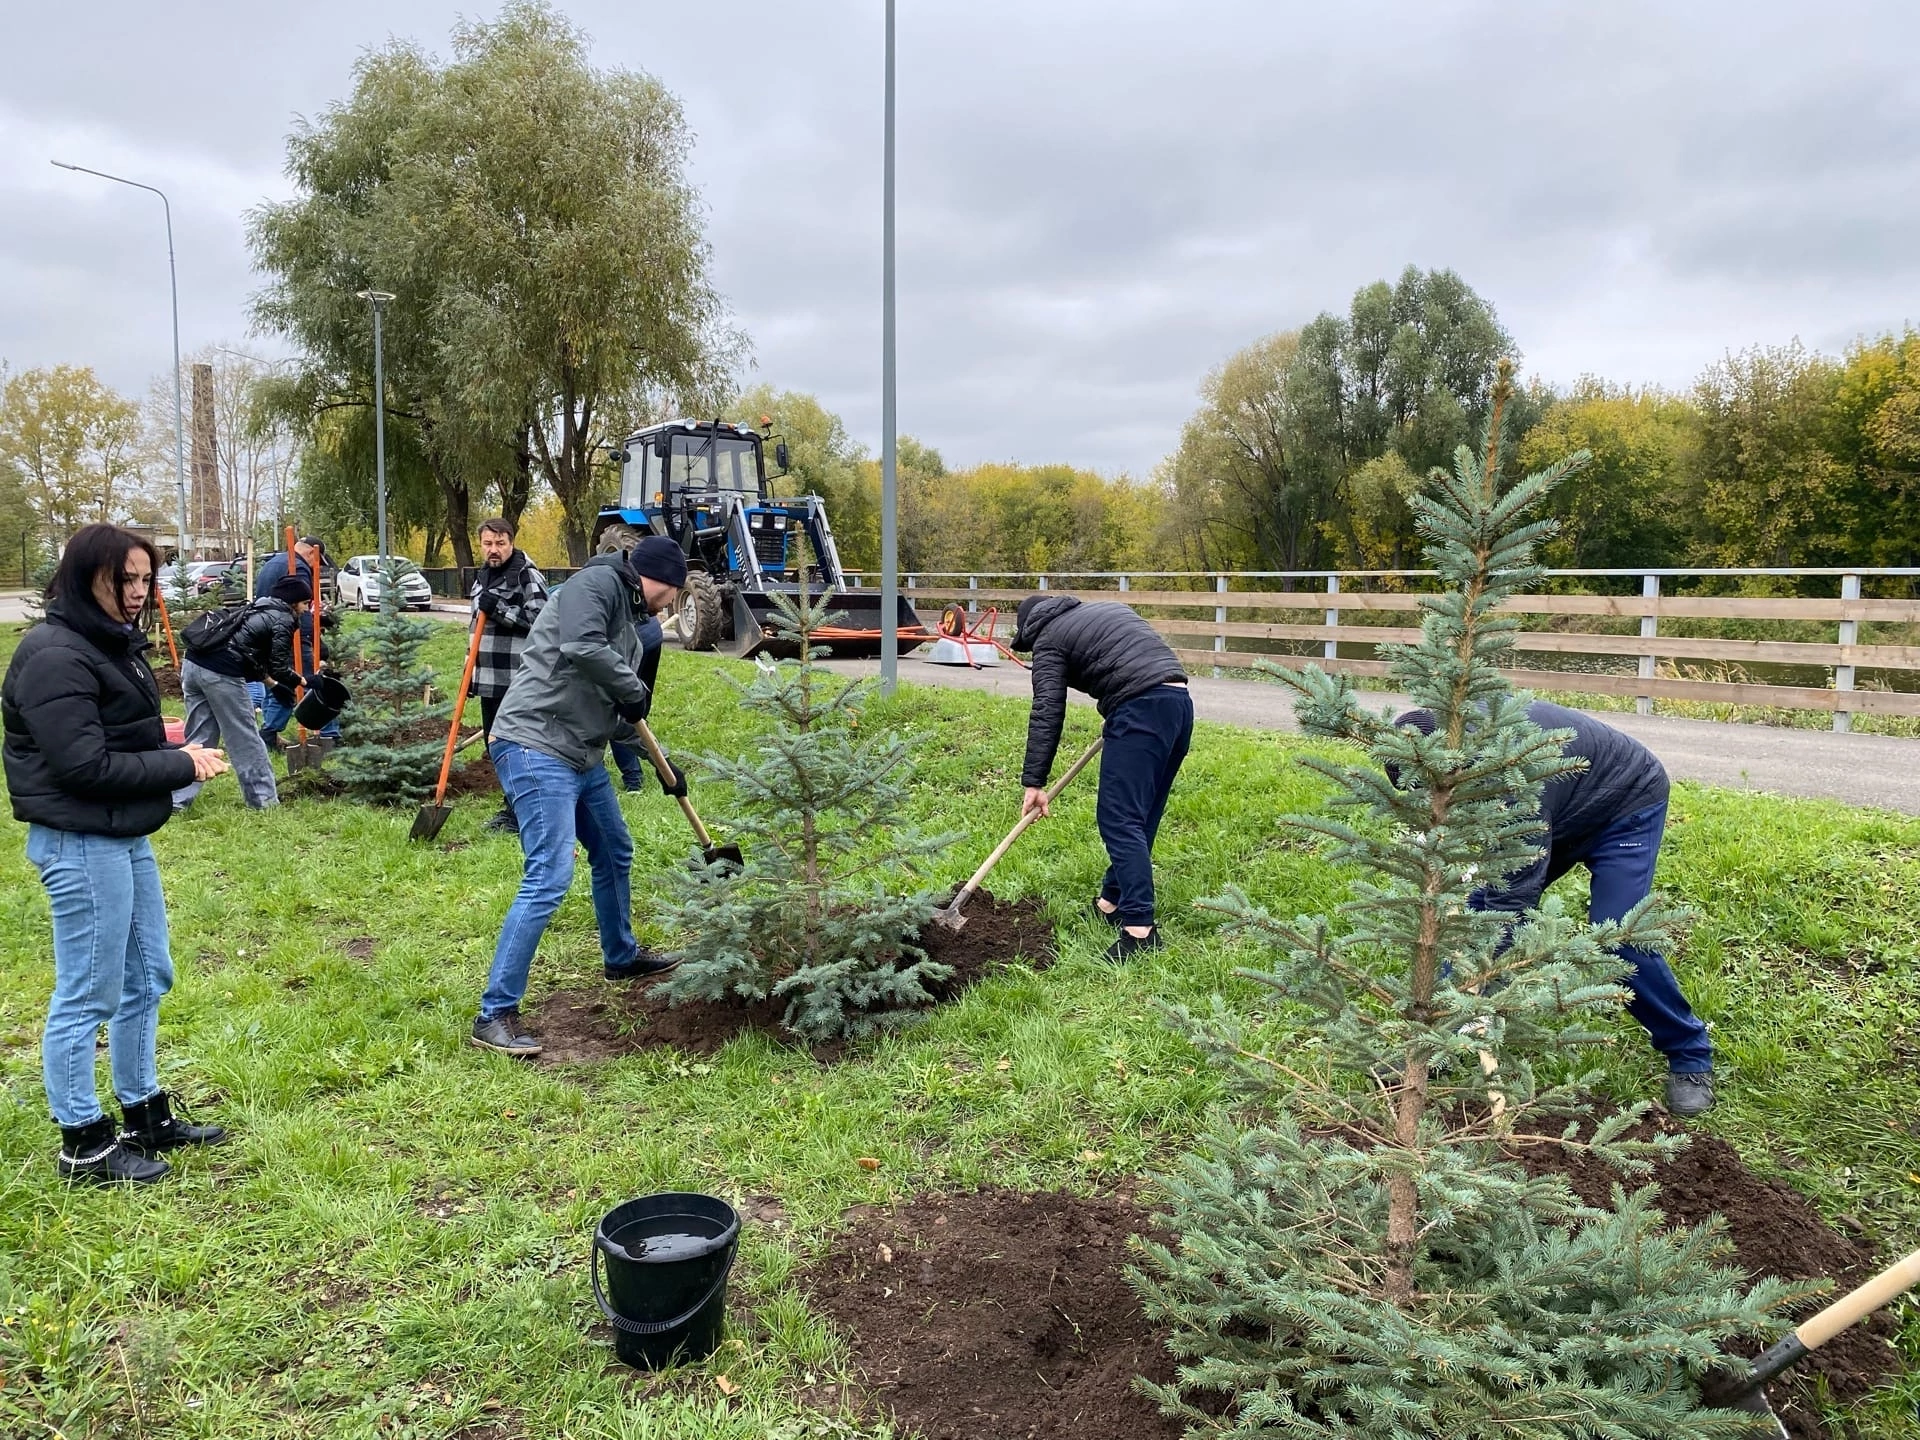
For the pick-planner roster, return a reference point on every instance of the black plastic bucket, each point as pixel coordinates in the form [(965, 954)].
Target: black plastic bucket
[(322, 703), (667, 1257)]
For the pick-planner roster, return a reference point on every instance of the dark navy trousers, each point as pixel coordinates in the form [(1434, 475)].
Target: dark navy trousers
[(1146, 739), (1620, 859)]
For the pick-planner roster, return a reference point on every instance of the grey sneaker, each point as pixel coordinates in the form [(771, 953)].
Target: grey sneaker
[(1690, 1094), (644, 965), (504, 1035)]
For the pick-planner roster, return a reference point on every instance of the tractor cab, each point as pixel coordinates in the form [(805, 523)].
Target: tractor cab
[(704, 485)]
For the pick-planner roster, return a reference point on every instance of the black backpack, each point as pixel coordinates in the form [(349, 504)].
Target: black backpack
[(212, 629)]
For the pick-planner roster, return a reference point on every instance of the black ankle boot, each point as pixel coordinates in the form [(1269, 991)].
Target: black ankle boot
[(93, 1154), (151, 1128)]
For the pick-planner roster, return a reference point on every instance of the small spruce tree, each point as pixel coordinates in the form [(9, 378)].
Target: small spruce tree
[(1358, 1255), (815, 916), (391, 738)]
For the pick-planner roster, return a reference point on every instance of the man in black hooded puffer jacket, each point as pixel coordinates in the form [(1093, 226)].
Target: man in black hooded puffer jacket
[(1110, 653)]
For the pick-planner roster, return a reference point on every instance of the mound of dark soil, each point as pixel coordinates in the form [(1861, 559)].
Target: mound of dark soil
[(623, 1019), (1776, 1233), (999, 1314)]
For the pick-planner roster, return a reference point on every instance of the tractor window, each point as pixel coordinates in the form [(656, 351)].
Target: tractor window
[(719, 464)]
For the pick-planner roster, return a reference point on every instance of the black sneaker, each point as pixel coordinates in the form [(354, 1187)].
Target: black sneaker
[(504, 820), (1105, 917), (504, 1035), (93, 1155), (644, 965), (1690, 1094), (152, 1127), (1127, 945)]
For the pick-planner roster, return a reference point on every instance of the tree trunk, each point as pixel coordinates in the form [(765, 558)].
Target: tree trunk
[(516, 489)]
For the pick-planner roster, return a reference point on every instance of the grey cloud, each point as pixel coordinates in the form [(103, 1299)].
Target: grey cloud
[(1099, 201)]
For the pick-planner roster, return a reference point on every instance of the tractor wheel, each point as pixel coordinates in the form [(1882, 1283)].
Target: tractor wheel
[(618, 539), (699, 616)]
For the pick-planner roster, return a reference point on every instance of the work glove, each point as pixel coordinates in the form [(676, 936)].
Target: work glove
[(489, 604), (282, 694), (678, 789), (634, 711)]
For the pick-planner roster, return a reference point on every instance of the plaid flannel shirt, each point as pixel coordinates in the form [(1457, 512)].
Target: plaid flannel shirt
[(523, 593)]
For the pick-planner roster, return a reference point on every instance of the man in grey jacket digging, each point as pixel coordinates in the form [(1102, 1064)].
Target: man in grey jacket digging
[(579, 678)]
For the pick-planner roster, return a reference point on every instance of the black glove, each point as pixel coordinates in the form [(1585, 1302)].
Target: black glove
[(283, 695), (678, 789), (634, 711), (489, 604)]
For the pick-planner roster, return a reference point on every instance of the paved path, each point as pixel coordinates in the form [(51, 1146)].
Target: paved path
[(1873, 770)]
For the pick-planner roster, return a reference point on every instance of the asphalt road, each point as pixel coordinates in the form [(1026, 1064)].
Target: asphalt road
[(1874, 770)]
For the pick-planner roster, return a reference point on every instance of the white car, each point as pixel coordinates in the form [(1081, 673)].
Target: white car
[(359, 583)]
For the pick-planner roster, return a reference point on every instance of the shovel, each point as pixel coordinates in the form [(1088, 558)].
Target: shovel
[(728, 855), (951, 916), (1748, 1392), (427, 823)]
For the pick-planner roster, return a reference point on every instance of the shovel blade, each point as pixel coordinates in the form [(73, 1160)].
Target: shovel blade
[(950, 918), (297, 758), (726, 856), (428, 822)]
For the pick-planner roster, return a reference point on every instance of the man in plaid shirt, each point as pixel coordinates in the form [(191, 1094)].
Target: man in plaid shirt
[(510, 593)]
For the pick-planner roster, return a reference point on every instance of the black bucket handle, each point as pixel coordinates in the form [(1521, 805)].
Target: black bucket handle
[(656, 1327)]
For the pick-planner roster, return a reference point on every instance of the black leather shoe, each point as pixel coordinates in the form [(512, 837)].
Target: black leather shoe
[(1129, 945), (504, 1035), (644, 965), (93, 1155), (152, 1127)]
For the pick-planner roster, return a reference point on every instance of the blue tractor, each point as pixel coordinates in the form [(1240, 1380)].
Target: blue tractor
[(704, 485)]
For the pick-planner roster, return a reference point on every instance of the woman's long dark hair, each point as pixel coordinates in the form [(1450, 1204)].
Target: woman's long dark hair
[(93, 549)]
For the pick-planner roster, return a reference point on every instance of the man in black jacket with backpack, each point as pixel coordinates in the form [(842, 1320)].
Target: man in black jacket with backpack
[(1110, 653), (225, 650)]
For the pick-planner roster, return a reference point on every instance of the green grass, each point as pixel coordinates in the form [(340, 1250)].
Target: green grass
[(394, 1244)]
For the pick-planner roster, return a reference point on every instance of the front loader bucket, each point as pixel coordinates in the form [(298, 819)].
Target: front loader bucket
[(853, 635)]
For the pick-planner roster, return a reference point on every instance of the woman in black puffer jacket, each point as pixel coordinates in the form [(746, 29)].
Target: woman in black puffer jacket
[(91, 773)]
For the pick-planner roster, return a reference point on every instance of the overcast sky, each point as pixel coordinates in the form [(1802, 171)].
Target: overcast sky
[(1099, 199)]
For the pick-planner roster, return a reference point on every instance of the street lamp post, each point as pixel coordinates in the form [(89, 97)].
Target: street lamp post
[(889, 558), (179, 422), (378, 299)]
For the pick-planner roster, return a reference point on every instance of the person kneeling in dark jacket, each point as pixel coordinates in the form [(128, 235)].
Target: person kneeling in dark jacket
[(89, 771), (1109, 652), (214, 682), (1609, 817)]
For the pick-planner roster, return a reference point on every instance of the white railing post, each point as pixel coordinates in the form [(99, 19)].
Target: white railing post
[(1043, 582), (1126, 583), (1649, 627), (1332, 649), (1849, 635), (1219, 618), (973, 604)]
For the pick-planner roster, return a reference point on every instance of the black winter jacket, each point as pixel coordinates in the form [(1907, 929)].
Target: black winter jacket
[(85, 748), (261, 649), (1105, 650)]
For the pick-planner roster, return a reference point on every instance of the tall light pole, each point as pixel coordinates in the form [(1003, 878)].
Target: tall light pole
[(179, 422), (378, 299), (889, 558)]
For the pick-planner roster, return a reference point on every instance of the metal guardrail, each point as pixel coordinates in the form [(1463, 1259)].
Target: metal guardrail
[(1245, 607)]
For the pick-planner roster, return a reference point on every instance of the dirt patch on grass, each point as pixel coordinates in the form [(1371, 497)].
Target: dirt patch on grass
[(625, 1018), (997, 1313), (361, 947), (168, 679), (1776, 1232)]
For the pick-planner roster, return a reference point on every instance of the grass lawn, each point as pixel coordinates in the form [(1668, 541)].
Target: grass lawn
[(395, 1242)]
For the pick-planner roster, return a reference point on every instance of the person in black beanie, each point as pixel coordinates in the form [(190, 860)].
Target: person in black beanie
[(1110, 653), (579, 679)]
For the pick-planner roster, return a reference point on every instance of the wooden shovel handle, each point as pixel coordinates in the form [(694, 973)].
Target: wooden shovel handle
[(1019, 829), (665, 772), (1850, 1308), (459, 707), (166, 621)]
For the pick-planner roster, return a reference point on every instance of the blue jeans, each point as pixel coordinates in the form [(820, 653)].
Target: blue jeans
[(555, 805), (627, 759), (111, 965), (1146, 739), (1620, 860)]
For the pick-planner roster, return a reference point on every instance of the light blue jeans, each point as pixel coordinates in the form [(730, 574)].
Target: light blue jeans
[(557, 804), (111, 965)]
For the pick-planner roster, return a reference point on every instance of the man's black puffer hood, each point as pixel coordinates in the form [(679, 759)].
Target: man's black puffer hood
[(1033, 616)]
